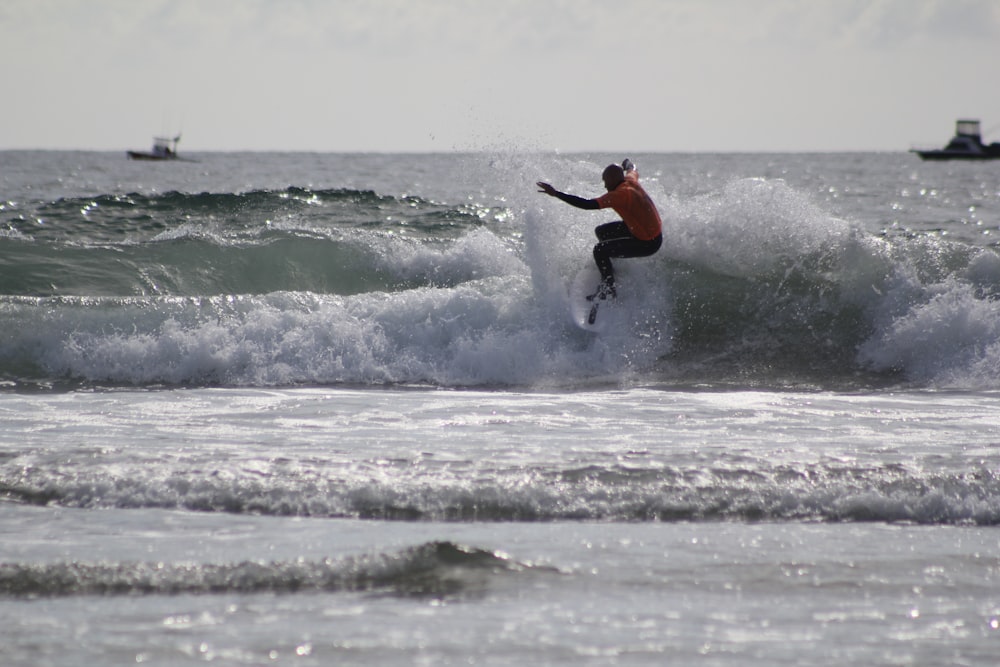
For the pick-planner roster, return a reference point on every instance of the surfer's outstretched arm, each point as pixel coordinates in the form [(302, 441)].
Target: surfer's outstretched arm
[(572, 200)]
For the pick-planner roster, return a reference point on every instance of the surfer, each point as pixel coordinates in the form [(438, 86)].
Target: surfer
[(638, 234)]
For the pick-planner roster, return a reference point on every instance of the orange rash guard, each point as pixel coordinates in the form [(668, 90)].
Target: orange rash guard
[(637, 210)]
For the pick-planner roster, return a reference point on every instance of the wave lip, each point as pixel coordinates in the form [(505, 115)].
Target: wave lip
[(435, 569)]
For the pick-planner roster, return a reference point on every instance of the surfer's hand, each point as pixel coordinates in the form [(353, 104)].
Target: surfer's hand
[(546, 188)]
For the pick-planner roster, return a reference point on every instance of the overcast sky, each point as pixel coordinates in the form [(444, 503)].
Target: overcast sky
[(443, 75)]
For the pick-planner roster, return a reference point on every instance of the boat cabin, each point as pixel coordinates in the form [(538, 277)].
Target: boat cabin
[(165, 146), (967, 144), (967, 136)]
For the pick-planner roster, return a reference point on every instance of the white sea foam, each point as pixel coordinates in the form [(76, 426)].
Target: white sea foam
[(485, 332), (951, 339)]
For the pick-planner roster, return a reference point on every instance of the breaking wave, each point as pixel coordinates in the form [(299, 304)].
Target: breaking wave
[(766, 492), (756, 285)]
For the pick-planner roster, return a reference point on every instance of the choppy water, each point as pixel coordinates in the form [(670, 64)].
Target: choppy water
[(307, 408)]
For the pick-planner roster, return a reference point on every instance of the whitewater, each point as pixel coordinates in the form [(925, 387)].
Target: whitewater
[(265, 408)]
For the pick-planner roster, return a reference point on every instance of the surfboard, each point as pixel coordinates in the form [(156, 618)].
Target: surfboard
[(586, 314)]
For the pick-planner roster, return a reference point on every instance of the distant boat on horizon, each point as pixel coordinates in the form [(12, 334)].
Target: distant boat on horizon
[(967, 144), (164, 148)]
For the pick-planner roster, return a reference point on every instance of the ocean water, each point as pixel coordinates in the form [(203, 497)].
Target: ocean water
[(315, 409)]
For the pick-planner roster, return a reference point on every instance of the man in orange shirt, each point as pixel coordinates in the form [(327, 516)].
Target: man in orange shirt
[(638, 234)]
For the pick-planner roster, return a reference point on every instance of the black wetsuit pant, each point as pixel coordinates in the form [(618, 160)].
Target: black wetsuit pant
[(615, 240)]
